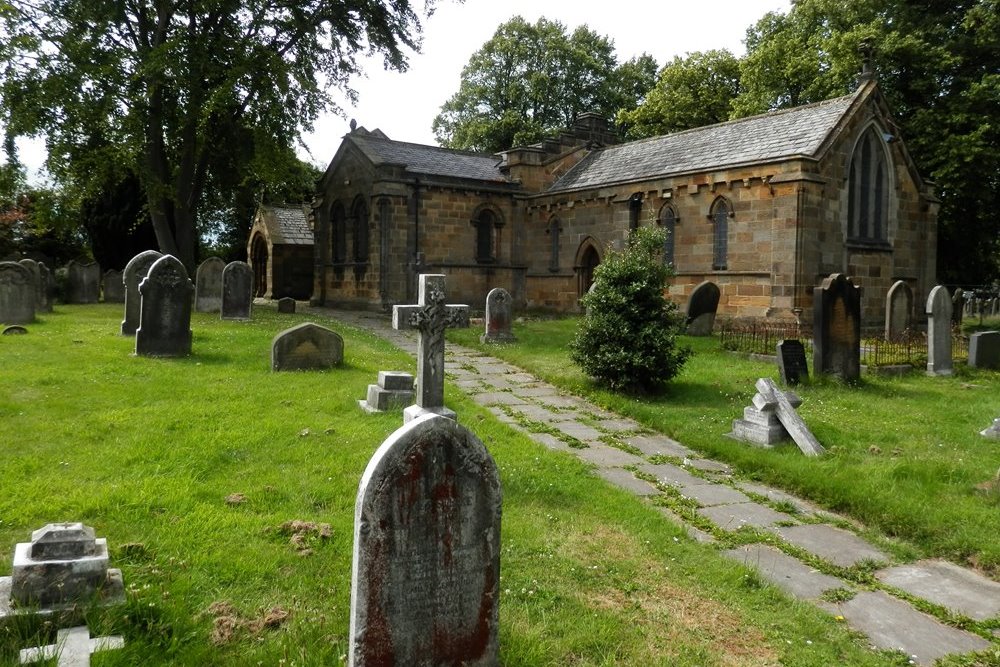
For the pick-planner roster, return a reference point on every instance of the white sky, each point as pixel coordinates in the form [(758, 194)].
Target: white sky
[(404, 105)]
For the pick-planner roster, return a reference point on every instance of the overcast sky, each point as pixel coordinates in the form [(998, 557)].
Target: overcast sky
[(404, 105)]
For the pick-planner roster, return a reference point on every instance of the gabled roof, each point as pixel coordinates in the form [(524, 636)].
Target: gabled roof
[(286, 224), (780, 135), (429, 160)]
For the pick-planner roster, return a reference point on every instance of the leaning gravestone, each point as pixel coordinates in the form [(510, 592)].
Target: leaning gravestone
[(237, 291), (837, 328), (425, 583), (792, 361), (17, 294), (498, 317), (165, 312), (83, 282), (286, 304), (134, 272), (701, 308), (898, 309), (984, 350), (208, 286), (306, 346), (114, 288), (939, 361)]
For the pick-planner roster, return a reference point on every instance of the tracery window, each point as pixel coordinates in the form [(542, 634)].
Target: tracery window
[(868, 190)]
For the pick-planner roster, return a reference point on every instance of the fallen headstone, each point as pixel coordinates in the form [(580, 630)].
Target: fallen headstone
[(394, 390), (306, 346), (772, 418), (72, 648)]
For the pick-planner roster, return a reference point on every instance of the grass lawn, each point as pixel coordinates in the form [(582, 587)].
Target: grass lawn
[(904, 454), (147, 451)]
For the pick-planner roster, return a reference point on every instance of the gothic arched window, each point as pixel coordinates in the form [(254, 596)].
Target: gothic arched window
[(338, 239), (668, 220), (487, 224), (721, 212), (553, 231), (868, 190), (359, 213)]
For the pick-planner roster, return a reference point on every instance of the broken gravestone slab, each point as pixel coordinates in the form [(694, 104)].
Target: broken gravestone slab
[(394, 390), (772, 418)]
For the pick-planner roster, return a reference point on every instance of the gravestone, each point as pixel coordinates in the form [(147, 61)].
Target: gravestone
[(208, 286), (134, 272), (993, 430), (792, 361), (114, 288), (430, 317), (425, 583), (306, 346), (83, 282), (165, 310), (46, 289), (237, 291), (498, 317), (984, 350), (772, 418), (72, 648), (837, 328), (957, 305), (13, 330), (939, 361), (394, 390), (286, 304), (36, 281), (17, 294), (898, 309), (701, 308)]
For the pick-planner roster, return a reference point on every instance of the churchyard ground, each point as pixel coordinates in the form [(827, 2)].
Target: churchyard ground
[(197, 469)]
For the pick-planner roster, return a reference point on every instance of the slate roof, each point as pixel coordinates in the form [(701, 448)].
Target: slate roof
[(774, 136), (430, 160), (289, 225)]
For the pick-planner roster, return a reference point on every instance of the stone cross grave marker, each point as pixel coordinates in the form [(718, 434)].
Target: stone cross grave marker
[(237, 291), (165, 319), (72, 648), (701, 308), (792, 361), (788, 417), (898, 309), (498, 317), (425, 580), (430, 317), (17, 294), (939, 361), (837, 328), (134, 272), (208, 286)]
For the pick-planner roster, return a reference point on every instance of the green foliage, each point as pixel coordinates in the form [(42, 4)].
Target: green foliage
[(628, 338)]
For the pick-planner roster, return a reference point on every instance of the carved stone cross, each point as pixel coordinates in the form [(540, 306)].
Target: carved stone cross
[(430, 317), (72, 648)]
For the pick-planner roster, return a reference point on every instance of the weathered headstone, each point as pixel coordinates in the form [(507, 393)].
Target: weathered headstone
[(792, 361), (939, 361), (14, 330), (237, 291), (114, 288), (17, 294), (701, 308), (425, 584), (993, 430), (46, 289), (957, 305), (984, 349), (498, 317), (165, 311), (898, 309), (36, 280), (430, 317), (306, 346), (208, 286), (83, 282), (837, 328), (394, 390), (286, 304), (134, 272), (72, 648), (772, 418)]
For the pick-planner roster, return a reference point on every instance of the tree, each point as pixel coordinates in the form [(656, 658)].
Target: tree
[(161, 87), (693, 91), (628, 337), (531, 80)]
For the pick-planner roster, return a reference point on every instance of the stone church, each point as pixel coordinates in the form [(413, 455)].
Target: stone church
[(764, 207)]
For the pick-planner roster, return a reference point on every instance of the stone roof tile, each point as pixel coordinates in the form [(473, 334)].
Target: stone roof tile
[(291, 226), (430, 160)]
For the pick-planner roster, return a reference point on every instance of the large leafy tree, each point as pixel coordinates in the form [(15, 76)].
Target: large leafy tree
[(531, 80), (163, 87)]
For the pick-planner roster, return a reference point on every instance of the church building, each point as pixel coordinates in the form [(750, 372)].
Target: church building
[(764, 207)]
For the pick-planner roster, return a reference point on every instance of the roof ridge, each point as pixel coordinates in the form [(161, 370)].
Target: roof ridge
[(455, 151)]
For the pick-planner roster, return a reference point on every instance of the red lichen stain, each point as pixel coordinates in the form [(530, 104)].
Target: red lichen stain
[(450, 646)]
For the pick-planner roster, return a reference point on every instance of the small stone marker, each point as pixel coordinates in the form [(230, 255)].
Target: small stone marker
[(394, 390), (939, 361), (837, 328), (113, 287), (72, 648), (17, 294), (286, 304), (430, 317), (770, 404), (165, 310), (498, 317), (984, 350), (992, 431), (83, 282), (792, 361), (306, 346), (425, 584), (208, 286), (237, 291), (898, 309), (14, 330), (701, 308), (134, 272)]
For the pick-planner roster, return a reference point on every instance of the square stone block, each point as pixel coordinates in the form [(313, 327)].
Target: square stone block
[(395, 380)]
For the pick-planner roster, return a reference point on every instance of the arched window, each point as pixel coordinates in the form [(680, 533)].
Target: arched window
[(338, 239), (359, 213), (487, 224), (668, 220), (553, 231), (721, 212), (868, 190)]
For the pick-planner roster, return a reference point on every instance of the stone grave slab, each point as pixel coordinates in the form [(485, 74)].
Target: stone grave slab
[(134, 272), (521, 378), (708, 465), (658, 445), (72, 648), (938, 308), (787, 573), (165, 310), (208, 285), (306, 346), (499, 316), (666, 473), (18, 294), (550, 441), (948, 585), (619, 425), (837, 328), (425, 584), (604, 456), (713, 494), (626, 480), (237, 291), (538, 392), (984, 350), (735, 516), (561, 402), (701, 308), (777, 496), (792, 365), (836, 545)]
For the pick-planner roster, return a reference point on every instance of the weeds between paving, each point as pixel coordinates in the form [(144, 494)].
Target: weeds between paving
[(197, 469)]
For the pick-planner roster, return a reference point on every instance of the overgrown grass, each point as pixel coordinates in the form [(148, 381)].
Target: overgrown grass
[(147, 451), (904, 454)]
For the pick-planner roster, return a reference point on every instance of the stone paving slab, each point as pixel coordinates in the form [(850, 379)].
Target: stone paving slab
[(618, 425), (628, 481), (562, 402), (540, 414), (707, 465), (695, 534), (520, 378), (713, 494), (735, 516), (579, 431), (550, 441), (497, 398), (948, 585), (537, 391), (606, 457), (468, 385), (497, 381), (502, 416), (492, 369), (777, 496), (787, 573), (666, 473), (658, 445), (836, 545), (893, 624)]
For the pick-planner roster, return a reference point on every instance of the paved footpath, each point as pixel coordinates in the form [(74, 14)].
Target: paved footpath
[(724, 503)]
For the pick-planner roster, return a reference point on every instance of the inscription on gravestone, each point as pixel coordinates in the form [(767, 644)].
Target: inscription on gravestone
[(792, 361)]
